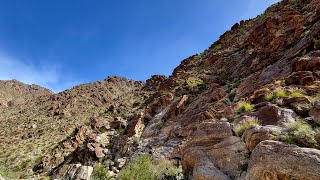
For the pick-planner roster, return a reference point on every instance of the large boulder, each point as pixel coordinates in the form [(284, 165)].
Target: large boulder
[(73, 172), (230, 155), (255, 135), (206, 170), (273, 160), (215, 158), (271, 114), (212, 129)]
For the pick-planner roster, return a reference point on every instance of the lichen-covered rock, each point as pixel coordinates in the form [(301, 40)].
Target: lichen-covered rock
[(273, 160)]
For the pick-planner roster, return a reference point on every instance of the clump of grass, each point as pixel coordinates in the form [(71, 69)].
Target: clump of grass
[(100, 173), (144, 167), (239, 129), (276, 133), (270, 96), (244, 106), (193, 82), (300, 129), (288, 140), (281, 94), (296, 94)]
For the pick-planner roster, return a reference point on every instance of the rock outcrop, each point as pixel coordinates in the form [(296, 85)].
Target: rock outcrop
[(276, 160)]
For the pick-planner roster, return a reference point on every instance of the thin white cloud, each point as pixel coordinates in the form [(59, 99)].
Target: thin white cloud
[(46, 75)]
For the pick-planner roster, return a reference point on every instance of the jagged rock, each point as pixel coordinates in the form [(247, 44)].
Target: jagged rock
[(301, 108), (307, 63), (274, 115), (253, 136), (120, 146), (316, 104), (259, 95), (154, 82), (315, 111), (315, 114), (205, 170), (99, 152), (301, 78), (272, 160), (119, 163), (212, 129), (229, 155), (299, 99), (118, 123), (136, 125), (94, 123), (73, 172)]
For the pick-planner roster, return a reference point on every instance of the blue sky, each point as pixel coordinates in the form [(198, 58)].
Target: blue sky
[(61, 43)]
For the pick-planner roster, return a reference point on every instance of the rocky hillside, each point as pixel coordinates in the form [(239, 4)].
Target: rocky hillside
[(14, 92), (246, 108)]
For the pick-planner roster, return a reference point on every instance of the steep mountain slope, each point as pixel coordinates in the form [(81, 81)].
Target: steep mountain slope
[(14, 92), (246, 108), (34, 129)]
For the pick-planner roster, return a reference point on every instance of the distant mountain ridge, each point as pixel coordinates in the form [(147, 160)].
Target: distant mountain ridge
[(13, 92)]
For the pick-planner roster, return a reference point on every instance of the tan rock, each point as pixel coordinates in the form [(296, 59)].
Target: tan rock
[(255, 135), (214, 157), (136, 125), (229, 155), (273, 160), (205, 170), (73, 172)]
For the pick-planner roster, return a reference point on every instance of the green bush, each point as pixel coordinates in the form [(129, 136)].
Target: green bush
[(244, 106), (193, 82), (239, 129), (145, 168), (100, 173), (300, 129)]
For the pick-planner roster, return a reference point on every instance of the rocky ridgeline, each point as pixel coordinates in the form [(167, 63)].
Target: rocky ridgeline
[(14, 92), (246, 108)]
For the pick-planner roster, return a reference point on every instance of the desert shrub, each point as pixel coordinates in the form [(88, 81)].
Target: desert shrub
[(240, 128), (144, 167), (301, 129), (193, 82), (244, 106), (100, 173)]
